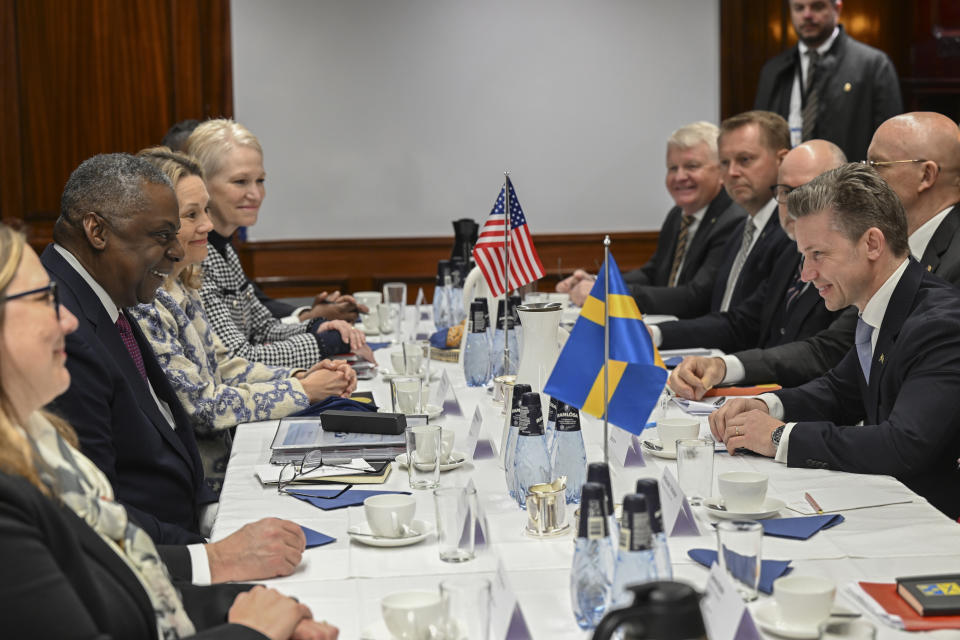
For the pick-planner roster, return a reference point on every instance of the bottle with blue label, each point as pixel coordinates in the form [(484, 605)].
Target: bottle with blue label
[(591, 575), (504, 327), (513, 434), (568, 455), (531, 462), (635, 561), (599, 472), (476, 354), (650, 490)]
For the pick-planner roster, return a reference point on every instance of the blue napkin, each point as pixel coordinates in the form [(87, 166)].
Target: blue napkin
[(350, 498), (378, 345), (799, 528), (335, 403), (673, 361), (315, 538), (741, 566)]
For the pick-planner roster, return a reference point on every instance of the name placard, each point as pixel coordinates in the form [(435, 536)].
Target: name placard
[(724, 613), (678, 518), (478, 444)]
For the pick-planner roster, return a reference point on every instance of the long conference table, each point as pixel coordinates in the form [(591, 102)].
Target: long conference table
[(343, 582)]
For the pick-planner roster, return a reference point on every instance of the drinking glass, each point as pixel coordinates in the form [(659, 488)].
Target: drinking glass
[(467, 602), (739, 553), (695, 469), (456, 523), (395, 296), (424, 447)]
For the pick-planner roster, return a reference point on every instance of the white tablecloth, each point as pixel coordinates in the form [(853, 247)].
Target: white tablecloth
[(344, 581)]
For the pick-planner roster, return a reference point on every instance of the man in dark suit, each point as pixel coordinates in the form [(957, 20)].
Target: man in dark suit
[(918, 154), (783, 308), (115, 242), (829, 86), (902, 378), (679, 277)]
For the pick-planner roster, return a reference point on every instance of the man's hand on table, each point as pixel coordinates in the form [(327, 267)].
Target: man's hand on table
[(580, 291), (745, 423), (565, 285), (696, 375), (334, 306), (263, 549), (353, 337)]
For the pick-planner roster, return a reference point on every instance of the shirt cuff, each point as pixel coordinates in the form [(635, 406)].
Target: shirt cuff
[(199, 565), (655, 334), (208, 513), (774, 406), (784, 443), (294, 318), (735, 370)]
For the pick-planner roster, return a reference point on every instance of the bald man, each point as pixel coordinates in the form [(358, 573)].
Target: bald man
[(918, 155), (782, 309)]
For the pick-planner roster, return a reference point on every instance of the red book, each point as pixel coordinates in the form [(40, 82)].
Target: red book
[(885, 593)]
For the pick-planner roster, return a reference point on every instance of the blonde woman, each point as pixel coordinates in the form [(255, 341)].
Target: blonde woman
[(217, 390)]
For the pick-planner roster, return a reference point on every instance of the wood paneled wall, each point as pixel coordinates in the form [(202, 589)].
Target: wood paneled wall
[(81, 77)]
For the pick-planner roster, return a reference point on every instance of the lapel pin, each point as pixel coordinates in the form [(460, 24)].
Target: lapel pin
[(929, 267), (846, 87), (881, 358)]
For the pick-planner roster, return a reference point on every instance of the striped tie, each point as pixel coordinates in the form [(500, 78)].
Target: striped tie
[(679, 251), (811, 97), (738, 262)]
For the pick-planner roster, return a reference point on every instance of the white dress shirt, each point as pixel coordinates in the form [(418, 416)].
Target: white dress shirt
[(198, 554), (920, 238), (873, 313)]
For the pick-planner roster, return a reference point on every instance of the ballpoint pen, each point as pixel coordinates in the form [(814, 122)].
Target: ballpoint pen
[(813, 503)]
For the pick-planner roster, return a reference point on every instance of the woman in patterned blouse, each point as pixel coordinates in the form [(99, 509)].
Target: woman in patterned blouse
[(218, 390)]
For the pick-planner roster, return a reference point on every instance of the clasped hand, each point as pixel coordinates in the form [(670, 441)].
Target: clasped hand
[(745, 423)]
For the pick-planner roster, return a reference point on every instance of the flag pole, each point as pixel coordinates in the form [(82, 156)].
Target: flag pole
[(506, 272), (606, 345)]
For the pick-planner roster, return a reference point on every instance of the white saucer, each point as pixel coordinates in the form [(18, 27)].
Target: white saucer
[(361, 533), (390, 373), (433, 411), (767, 615), (367, 332), (457, 460), (771, 507), (649, 447)]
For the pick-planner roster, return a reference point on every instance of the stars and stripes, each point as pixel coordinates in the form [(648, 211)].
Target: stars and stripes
[(525, 265)]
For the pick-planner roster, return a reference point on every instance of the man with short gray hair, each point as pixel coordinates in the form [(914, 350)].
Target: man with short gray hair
[(901, 378)]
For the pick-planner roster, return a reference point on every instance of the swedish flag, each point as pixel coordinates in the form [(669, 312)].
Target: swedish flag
[(637, 374)]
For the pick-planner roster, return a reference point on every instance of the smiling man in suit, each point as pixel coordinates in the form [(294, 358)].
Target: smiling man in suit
[(679, 277), (783, 308), (115, 243), (902, 378)]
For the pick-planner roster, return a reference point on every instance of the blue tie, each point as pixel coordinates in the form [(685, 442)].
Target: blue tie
[(864, 349)]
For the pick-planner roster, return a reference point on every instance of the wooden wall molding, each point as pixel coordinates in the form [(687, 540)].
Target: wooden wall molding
[(299, 268)]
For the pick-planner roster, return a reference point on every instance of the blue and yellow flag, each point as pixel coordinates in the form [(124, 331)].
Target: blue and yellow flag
[(637, 374)]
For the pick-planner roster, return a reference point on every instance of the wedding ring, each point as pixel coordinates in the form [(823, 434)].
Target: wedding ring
[(738, 432)]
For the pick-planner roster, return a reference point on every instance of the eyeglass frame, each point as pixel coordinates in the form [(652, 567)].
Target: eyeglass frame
[(299, 471), (877, 164), (787, 191), (50, 287)]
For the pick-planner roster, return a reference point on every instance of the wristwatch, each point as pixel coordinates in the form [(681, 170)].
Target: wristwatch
[(777, 434)]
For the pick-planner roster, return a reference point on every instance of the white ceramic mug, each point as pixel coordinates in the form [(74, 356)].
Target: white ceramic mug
[(804, 600), (425, 446), (370, 299), (672, 429), (743, 491), (388, 515), (414, 615)]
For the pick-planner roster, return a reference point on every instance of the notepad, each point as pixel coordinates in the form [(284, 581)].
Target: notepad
[(847, 499)]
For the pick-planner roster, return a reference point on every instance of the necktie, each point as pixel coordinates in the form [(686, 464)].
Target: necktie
[(680, 250), (130, 342), (738, 262), (811, 97), (864, 348), (796, 287)]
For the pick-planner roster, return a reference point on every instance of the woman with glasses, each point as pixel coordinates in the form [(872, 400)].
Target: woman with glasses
[(217, 390), (74, 565)]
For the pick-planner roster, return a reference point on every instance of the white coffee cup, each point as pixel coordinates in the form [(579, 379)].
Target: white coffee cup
[(425, 446), (414, 615), (743, 491), (389, 515), (804, 600), (383, 311), (672, 429), (370, 299)]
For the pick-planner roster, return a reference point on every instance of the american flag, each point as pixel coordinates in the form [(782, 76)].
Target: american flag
[(525, 265)]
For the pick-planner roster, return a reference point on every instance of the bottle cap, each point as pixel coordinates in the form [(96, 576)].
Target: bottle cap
[(635, 533), (501, 319), (443, 270), (600, 472), (530, 415), (518, 391), (552, 411), (515, 301), (478, 316), (593, 517), (649, 489), (567, 417)]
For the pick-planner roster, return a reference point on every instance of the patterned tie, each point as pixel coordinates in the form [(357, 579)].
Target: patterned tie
[(864, 348), (796, 287), (811, 97), (679, 251), (130, 342), (748, 231)]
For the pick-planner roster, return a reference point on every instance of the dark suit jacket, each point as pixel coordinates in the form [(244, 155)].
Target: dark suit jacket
[(766, 252), (911, 407), (702, 258), (798, 362), (761, 320), (61, 580), (155, 471), (858, 90)]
